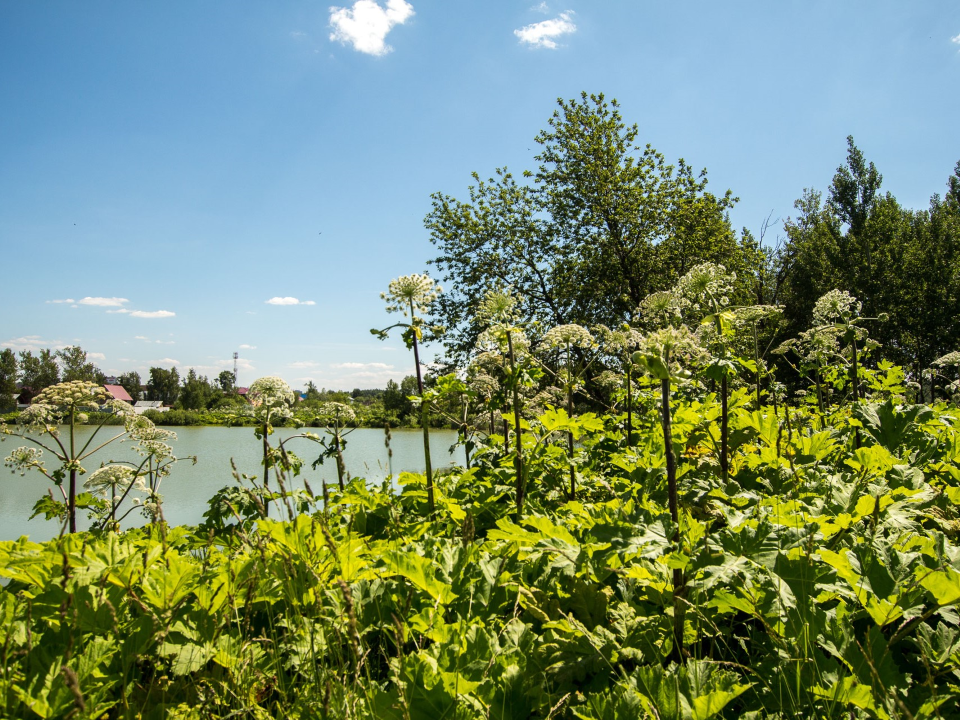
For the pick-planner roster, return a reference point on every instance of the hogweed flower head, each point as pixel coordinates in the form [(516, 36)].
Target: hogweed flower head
[(111, 479), (499, 307), (416, 292), (835, 306), (40, 416), (572, 335), (271, 398), (336, 412), (706, 286), (494, 339), (948, 360), (660, 309), (668, 352), (23, 458), (72, 396)]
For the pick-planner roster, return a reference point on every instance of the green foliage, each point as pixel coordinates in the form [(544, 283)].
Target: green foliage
[(820, 580)]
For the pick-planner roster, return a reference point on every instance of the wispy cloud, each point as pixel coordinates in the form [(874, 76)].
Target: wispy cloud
[(543, 34), (304, 364), (144, 314), (96, 356), (248, 347), (541, 8), (68, 301), (32, 343), (366, 24), (158, 342), (362, 366), (152, 314), (955, 39), (103, 301), (288, 301)]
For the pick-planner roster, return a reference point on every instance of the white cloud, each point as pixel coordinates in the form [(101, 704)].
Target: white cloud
[(955, 39), (31, 343), (361, 366), (248, 347), (165, 361), (152, 314), (141, 337), (542, 34), (304, 364), (288, 301), (68, 301), (296, 34), (366, 24), (103, 302), (96, 356), (541, 8)]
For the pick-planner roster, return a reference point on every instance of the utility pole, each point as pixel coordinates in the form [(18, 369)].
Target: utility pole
[(235, 356)]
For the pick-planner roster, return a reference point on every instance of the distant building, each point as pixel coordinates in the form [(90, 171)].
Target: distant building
[(142, 406), (118, 392)]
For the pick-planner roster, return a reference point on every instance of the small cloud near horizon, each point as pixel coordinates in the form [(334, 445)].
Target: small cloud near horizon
[(288, 301), (543, 34), (103, 301), (31, 343), (248, 347), (143, 314), (365, 25), (96, 356), (362, 366)]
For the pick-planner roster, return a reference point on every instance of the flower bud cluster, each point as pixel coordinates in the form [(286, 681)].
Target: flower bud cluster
[(72, 395), (418, 291), (23, 458), (835, 306), (571, 335), (271, 399)]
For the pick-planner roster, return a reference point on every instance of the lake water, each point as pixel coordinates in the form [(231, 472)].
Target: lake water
[(186, 490)]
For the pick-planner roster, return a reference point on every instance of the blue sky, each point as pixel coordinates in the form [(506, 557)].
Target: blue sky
[(168, 169)]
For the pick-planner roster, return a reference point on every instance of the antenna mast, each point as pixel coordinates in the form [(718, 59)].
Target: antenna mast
[(235, 356)]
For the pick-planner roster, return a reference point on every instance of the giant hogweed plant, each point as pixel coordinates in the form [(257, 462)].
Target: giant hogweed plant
[(67, 404), (410, 295)]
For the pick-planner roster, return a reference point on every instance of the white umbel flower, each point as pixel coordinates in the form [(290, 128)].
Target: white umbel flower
[(411, 291)]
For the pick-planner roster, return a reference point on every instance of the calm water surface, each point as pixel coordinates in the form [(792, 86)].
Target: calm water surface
[(186, 490)]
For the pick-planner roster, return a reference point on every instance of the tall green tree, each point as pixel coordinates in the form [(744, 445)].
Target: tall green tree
[(226, 381), (38, 371), (197, 393), (164, 385), (75, 365), (600, 225), (8, 378), (130, 381)]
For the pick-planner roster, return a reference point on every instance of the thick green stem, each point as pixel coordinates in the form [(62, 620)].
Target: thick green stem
[(72, 506), (573, 472), (678, 588), (629, 406), (336, 445), (724, 429), (266, 468), (518, 460), (423, 415)]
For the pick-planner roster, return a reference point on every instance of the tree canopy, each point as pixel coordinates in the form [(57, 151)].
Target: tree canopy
[(601, 224)]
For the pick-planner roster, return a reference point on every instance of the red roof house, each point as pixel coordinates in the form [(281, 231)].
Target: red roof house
[(118, 393)]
